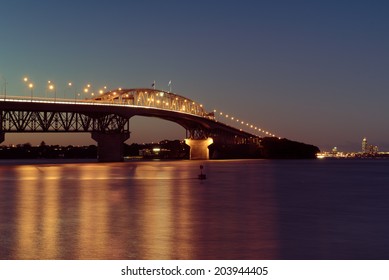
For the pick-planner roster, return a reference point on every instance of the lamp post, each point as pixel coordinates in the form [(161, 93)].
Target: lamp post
[(25, 80), (52, 88), (69, 86), (86, 90), (31, 86), (47, 89)]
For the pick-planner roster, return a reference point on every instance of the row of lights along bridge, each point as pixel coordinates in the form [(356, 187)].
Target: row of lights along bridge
[(88, 92), (52, 88)]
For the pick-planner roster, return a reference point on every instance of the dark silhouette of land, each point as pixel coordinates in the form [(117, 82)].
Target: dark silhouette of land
[(270, 148), (286, 149)]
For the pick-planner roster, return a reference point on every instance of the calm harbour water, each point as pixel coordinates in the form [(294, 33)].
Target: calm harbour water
[(245, 209)]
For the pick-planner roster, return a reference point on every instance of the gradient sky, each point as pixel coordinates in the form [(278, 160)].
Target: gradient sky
[(311, 71)]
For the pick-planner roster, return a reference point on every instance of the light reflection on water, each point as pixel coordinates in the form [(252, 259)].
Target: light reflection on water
[(246, 209), (141, 210)]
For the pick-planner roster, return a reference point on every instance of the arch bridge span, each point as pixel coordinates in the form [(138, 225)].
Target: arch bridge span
[(154, 98), (107, 117)]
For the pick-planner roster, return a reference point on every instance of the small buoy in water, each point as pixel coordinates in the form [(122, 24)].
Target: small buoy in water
[(201, 175)]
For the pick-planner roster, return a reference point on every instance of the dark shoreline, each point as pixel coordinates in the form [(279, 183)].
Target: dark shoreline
[(269, 148)]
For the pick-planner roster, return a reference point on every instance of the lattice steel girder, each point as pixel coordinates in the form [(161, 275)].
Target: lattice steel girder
[(196, 134), (36, 121)]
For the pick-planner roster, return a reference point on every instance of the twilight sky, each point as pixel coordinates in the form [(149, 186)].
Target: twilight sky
[(311, 71)]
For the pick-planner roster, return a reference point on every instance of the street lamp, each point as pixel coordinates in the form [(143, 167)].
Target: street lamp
[(69, 84), (31, 86), (47, 89), (52, 88)]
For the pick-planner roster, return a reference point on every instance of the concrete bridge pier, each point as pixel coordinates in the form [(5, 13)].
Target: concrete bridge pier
[(110, 146), (199, 148)]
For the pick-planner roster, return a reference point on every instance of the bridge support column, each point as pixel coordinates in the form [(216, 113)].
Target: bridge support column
[(110, 146), (199, 148)]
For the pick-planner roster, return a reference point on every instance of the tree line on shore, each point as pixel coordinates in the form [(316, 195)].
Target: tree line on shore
[(270, 147)]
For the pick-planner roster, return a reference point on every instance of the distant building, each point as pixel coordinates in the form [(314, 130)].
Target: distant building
[(364, 146), (370, 150)]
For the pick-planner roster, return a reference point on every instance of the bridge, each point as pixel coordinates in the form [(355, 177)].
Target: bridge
[(107, 117)]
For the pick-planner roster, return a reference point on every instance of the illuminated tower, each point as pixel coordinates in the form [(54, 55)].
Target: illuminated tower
[(364, 146)]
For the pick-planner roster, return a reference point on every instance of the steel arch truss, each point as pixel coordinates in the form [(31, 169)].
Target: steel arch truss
[(37, 121), (155, 99)]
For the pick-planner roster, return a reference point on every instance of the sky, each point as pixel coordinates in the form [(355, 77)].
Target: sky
[(310, 71)]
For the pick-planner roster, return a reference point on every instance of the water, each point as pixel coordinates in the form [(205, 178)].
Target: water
[(245, 209)]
